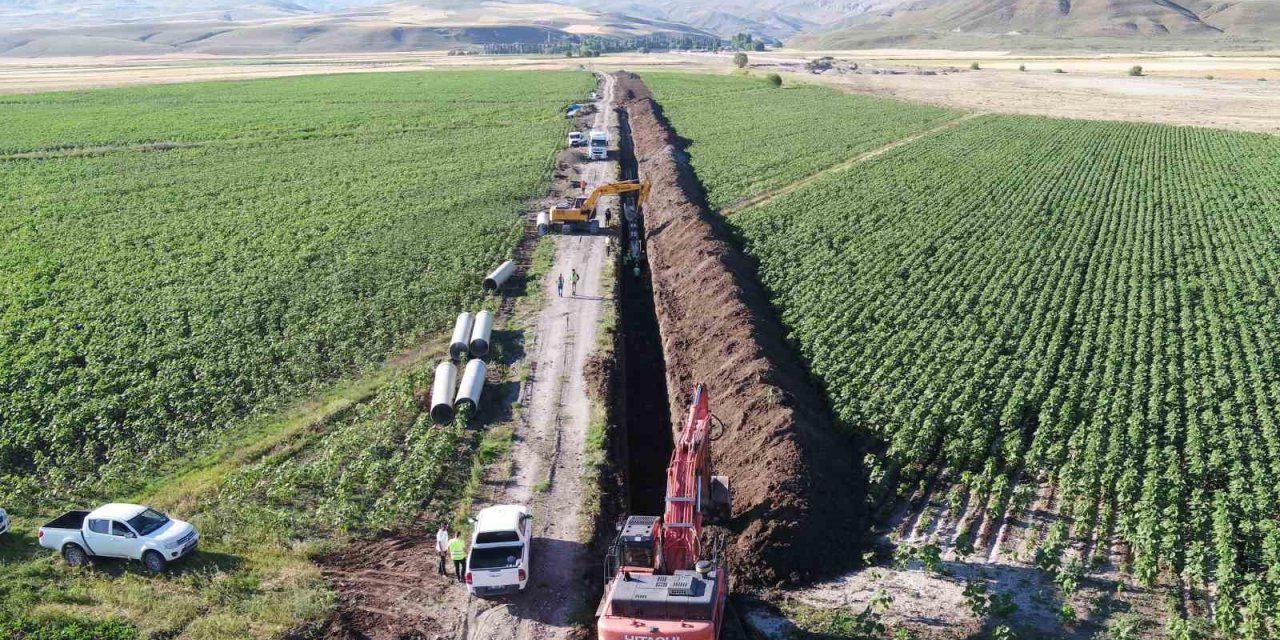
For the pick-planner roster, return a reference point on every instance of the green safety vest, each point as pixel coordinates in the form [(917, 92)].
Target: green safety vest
[(458, 549)]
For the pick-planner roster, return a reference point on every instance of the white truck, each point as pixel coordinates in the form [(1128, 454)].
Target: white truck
[(4, 521), (128, 531), (599, 146), (498, 563), (576, 139)]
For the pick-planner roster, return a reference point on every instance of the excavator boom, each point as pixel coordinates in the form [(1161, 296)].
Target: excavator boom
[(585, 212), (660, 585), (688, 478)]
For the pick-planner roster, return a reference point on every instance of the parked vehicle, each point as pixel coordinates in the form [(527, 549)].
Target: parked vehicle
[(128, 531), (576, 139), (599, 149), (498, 563), (4, 521)]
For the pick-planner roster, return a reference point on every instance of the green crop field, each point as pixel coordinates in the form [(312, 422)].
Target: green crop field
[(1092, 305), (176, 258), (1016, 302), (747, 137)]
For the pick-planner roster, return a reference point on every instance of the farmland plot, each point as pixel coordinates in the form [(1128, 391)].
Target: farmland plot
[(1089, 306), (747, 138), (154, 295)]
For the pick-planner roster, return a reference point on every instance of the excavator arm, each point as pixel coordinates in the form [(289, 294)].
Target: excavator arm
[(615, 188), (683, 594), (688, 483)]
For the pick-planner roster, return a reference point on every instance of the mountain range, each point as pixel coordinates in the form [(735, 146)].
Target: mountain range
[(1008, 23), (850, 24), (87, 27), (231, 27)]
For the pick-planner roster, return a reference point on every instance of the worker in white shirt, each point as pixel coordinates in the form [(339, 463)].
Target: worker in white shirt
[(442, 547)]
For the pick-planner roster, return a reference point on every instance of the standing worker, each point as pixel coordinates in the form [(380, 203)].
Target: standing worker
[(573, 281), (560, 286), (458, 551), (442, 547)]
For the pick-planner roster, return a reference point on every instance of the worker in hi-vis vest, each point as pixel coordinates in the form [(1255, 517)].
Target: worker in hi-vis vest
[(458, 551)]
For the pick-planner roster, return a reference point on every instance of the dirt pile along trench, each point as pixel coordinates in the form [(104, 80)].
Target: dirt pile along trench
[(796, 491)]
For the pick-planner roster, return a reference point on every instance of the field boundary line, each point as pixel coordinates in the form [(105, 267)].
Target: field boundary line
[(768, 196), (200, 472)]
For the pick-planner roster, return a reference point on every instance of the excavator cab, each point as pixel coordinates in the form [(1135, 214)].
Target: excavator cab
[(667, 578), (637, 547)]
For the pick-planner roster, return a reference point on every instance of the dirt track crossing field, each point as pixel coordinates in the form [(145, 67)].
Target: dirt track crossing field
[(551, 437), (390, 589)]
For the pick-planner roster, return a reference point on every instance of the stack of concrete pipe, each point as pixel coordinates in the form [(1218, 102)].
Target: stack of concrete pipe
[(472, 335)]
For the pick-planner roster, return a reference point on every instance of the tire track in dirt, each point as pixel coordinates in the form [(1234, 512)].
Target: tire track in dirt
[(388, 588), (551, 435)]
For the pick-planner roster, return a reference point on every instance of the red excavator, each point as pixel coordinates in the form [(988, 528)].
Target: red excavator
[(664, 581)]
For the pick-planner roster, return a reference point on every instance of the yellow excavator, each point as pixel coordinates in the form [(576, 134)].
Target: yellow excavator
[(584, 210)]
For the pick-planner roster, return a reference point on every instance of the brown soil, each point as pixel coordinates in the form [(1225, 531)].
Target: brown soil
[(796, 492), (388, 588)]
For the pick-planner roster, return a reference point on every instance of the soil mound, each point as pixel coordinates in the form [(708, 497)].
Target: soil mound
[(796, 490)]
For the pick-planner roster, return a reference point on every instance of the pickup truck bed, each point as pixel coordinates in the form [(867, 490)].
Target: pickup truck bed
[(69, 520)]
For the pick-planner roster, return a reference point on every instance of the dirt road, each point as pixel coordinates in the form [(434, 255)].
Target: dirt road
[(550, 440), (389, 588)]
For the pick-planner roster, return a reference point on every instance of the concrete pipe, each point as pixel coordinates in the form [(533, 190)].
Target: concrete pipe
[(480, 334), (459, 344), (499, 276), (472, 385), (544, 223), (442, 392)]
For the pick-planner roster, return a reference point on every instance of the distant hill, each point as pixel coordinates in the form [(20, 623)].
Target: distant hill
[(247, 27), (1055, 23), (152, 27), (850, 24), (776, 19)]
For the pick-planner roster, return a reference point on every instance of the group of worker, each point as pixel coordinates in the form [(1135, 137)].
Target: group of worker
[(573, 282), (455, 548)]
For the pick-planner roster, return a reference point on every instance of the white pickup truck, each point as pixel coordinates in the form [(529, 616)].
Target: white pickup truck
[(129, 531), (4, 521), (499, 560)]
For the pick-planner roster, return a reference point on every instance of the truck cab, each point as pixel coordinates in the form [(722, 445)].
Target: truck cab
[(498, 563), (599, 146), (4, 521), (128, 531)]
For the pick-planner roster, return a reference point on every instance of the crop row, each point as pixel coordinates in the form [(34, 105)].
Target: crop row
[(1088, 305), (747, 138)]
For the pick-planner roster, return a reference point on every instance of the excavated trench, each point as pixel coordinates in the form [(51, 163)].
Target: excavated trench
[(796, 480), (646, 415)]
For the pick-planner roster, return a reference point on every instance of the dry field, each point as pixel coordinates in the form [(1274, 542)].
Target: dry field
[(1176, 88)]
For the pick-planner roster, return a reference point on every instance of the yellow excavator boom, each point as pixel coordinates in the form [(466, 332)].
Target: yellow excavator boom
[(583, 213)]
